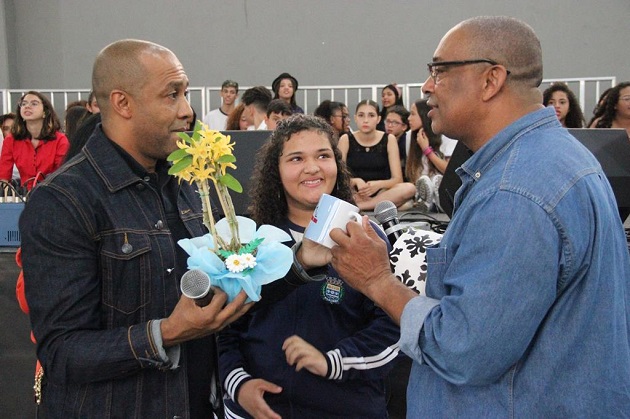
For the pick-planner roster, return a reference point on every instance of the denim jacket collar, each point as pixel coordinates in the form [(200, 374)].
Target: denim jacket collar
[(106, 159), (482, 161)]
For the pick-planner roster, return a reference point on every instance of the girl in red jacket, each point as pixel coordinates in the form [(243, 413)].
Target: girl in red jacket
[(36, 145)]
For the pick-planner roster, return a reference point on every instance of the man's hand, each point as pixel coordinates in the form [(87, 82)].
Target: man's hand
[(304, 355), (362, 260), (189, 321), (251, 398), (361, 256)]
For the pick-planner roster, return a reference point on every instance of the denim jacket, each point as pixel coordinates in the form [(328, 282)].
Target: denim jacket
[(100, 264), (527, 313)]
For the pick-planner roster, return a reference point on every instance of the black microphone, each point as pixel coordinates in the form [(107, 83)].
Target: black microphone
[(195, 284), (386, 214)]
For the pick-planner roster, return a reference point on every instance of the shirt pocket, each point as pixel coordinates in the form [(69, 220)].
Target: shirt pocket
[(436, 259), (126, 271)]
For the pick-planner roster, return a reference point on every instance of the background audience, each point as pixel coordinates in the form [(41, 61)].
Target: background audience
[(237, 120), (217, 118), (82, 134), (336, 114), (73, 119), (390, 96), (92, 104), (277, 111), (616, 113), (374, 162), (256, 100), (426, 162), (598, 110), (36, 144), (6, 121), (397, 124), (565, 104), (284, 87)]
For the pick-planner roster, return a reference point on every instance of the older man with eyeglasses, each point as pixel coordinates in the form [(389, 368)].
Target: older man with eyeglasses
[(526, 309)]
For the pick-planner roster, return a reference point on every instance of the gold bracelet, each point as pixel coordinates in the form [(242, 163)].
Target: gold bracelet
[(39, 375)]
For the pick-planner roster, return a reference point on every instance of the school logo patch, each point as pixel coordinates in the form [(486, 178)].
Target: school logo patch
[(332, 290)]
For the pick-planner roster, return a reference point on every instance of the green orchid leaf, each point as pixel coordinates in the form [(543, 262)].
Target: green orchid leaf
[(230, 181), (177, 154), (180, 165), (185, 137), (196, 131), (226, 158)]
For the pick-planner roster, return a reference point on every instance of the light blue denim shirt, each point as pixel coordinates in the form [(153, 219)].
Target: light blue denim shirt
[(528, 304)]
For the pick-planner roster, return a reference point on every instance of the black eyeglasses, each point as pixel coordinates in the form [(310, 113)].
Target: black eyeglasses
[(435, 68)]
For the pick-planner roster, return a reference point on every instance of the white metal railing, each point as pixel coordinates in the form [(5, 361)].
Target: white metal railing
[(203, 99)]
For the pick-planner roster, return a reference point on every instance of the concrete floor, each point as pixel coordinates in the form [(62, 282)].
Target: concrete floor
[(17, 352)]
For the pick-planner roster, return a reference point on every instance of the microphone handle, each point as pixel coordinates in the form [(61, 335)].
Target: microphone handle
[(392, 230), (205, 300)]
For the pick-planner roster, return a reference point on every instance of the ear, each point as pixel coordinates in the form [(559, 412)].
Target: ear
[(120, 102), (494, 81)]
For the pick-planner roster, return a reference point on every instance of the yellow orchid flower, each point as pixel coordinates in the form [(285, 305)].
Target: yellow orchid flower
[(205, 157)]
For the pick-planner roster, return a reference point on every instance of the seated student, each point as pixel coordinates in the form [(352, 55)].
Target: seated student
[(6, 121), (256, 100), (277, 111), (374, 161), (598, 111), (82, 134), (324, 350), (73, 119), (237, 121), (426, 162), (565, 104), (92, 104), (391, 95), (284, 87), (36, 144), (397, 124), (333, 113), (616, 113), (217, 119)]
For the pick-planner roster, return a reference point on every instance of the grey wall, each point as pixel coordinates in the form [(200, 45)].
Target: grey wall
[(52, 43)]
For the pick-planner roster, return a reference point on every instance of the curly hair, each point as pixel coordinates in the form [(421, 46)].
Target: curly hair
[(611, 103), (575, 117), (414, 166), (268, 200), (50, 125), (598, 111)]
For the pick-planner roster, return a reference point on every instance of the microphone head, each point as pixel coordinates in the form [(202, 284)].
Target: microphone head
[(195, 284), (385, 211)]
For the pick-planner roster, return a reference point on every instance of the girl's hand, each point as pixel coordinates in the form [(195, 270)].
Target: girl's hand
[(369, 190), (422, 139), (302, 354)]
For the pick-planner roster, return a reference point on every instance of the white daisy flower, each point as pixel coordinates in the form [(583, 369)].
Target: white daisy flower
[(235, 263), (249, 260)]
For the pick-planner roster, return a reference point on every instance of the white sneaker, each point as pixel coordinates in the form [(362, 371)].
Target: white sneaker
[(436, 180), (424, 189)]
